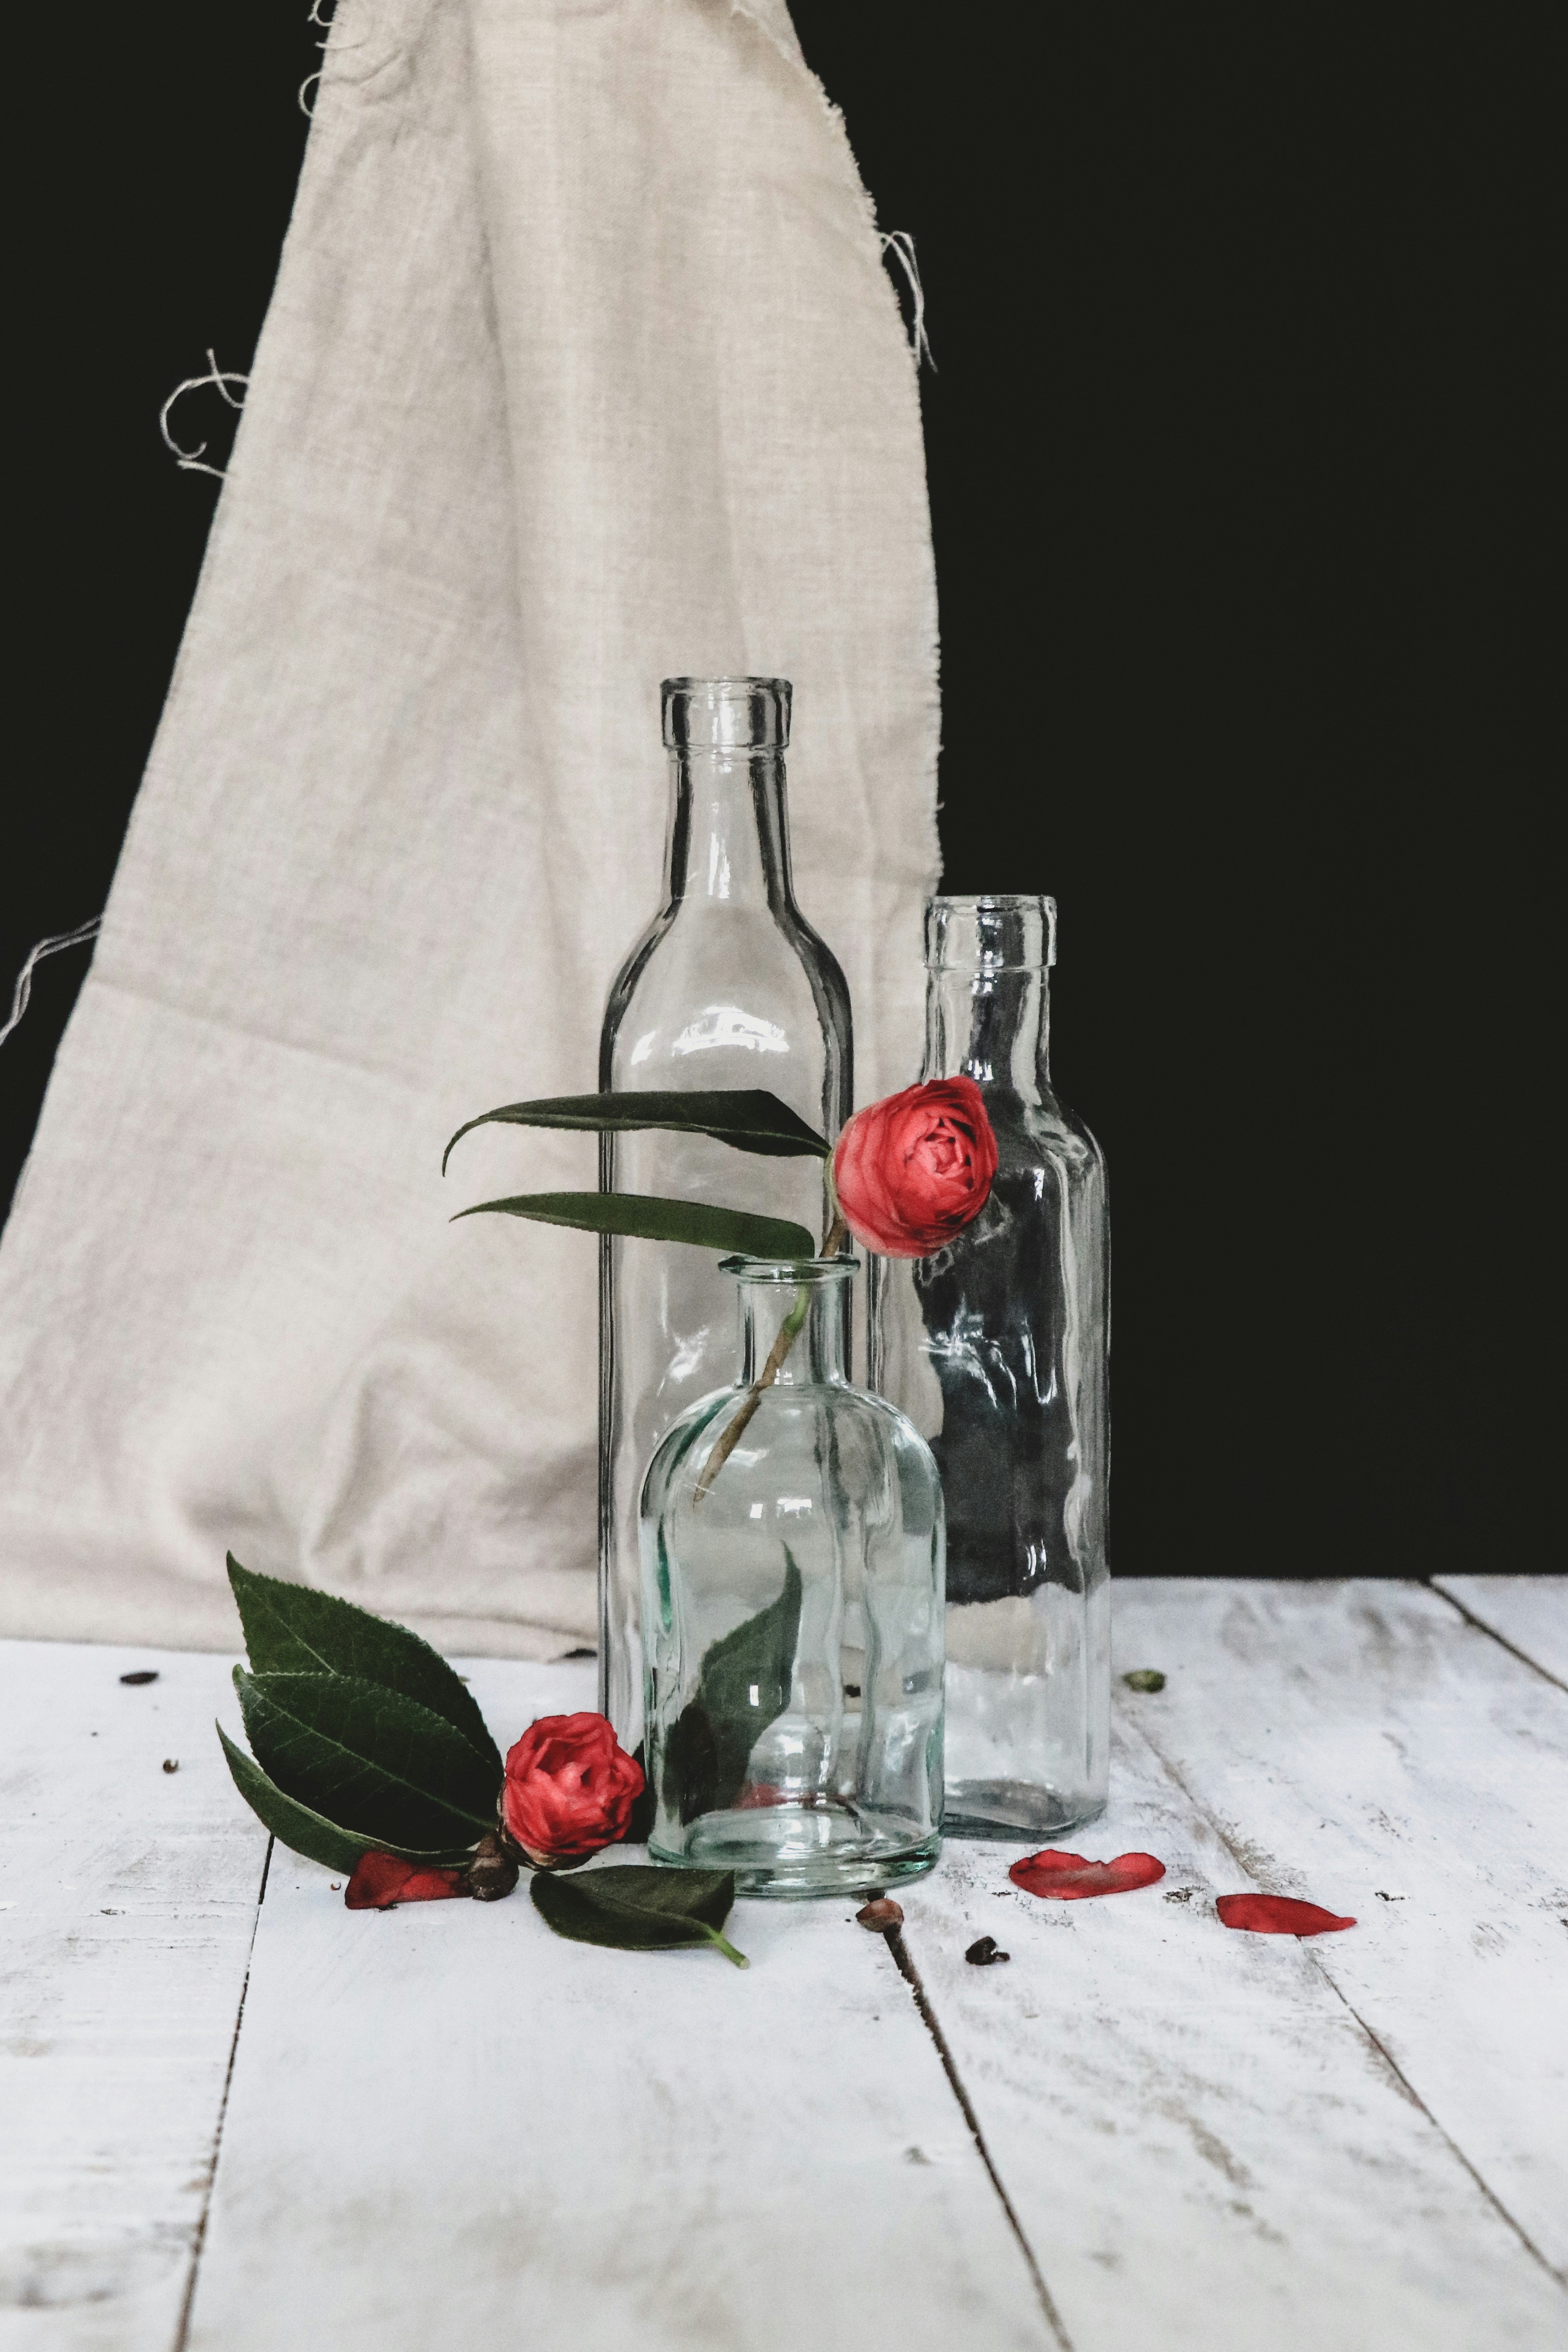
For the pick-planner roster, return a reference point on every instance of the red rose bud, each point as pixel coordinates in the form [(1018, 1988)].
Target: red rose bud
[(570, 1787), (381, 1881), (912, 1170)]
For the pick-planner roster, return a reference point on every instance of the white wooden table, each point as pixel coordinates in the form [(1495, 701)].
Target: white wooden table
[(237, 2118)]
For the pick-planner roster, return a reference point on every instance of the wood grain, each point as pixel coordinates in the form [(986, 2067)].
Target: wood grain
[(129, 1899), (447, 2127), (1529, 1612)]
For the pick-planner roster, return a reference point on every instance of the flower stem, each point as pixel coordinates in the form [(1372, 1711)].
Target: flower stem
[(789, 1332), (722, 1944)]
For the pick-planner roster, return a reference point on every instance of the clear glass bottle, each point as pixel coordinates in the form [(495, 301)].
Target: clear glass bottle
[(794, 1615), (729, 986), (998, 1350)]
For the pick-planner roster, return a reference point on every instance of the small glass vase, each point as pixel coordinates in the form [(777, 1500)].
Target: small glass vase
[(792, 1613), (997, 1348)]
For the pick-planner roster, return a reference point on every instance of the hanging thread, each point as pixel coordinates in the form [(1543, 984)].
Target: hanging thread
[(62, 940), (190, 460), (901, 246)]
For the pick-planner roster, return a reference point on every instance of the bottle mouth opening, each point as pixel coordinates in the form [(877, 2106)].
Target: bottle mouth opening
[(990, 931), (726, 714), (790, 1272)]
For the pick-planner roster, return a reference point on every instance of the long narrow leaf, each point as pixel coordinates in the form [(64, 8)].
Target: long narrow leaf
[(290, 1629), (748, 1117), (733, 1232), (308, 1832)]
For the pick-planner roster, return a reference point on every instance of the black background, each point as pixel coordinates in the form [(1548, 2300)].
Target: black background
[(1229, 312)]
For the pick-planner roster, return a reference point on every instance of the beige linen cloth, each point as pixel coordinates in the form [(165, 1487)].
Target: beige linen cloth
[(583, 368)]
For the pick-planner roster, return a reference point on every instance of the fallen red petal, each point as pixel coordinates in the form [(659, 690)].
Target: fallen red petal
[(1070, 1879), (382, 1880), (1277, 1915)]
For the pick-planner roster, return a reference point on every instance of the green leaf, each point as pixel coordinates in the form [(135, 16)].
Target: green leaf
[(289, 1628), (742, 1685), (634, 1908), (731, 1232), (307, 1832), (355, 1752), (749, 1118)]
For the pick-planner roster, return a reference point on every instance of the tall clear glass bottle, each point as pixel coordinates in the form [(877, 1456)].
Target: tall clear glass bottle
[(997, 1348), (729, 986)]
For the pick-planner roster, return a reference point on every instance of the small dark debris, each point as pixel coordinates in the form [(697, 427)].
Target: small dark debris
[(878, 1918), (1387, 1898), (142, 1674), (171, 1763), (983, 1953), (916, 2156), (851, 1690), (1144, 1678), (1179, 1895), (582, 1654)]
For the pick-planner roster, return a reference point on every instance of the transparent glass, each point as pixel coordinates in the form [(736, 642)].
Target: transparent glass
[(792, 1616), (998, 1350), (729, 986)]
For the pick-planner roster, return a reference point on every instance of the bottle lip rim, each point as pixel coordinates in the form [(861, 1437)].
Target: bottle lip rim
[(789, 1271), (1003, 900)]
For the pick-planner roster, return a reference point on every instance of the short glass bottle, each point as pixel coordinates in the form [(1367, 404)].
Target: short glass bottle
[(792, 1613), (729, 986), (998, 1350)]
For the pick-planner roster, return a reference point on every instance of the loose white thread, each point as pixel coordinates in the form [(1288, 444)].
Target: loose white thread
[(78, 938), (313, 81), (901, 246), (190, 460)]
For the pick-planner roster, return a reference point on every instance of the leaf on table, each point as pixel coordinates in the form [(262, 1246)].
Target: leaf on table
[(635, 1907), (645, 1217), (1068, 1878), (742, 1685), (1278, 1914), (748, 1117), (380, 1882), (291, 1629), (296, 1825), (1144, 1678), (354, 1751)]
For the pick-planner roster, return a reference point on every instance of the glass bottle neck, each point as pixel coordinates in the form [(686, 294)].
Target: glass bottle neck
[(728, 833), (992, 1026), (815, 1354)]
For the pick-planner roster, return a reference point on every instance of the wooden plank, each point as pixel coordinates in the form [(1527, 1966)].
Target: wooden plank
[(448, 2126), (128, 1899), (1529, 1612), (1361, 1744), (1204, 2146)]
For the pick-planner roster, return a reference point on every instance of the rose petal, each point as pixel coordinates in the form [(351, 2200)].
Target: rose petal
[(1070, 1879), (1278, 1914), (382, 1880)]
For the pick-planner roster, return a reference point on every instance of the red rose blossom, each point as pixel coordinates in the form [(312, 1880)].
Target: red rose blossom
[(913, 1169), (570, 1787)]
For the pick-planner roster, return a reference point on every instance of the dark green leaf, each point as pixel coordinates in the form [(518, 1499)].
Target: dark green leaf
[(304, 1831), (749, 1118), (1144, 1678), (634, 1908), (290, 1629), (743, 1684), (354, 1751), (730, 1231)]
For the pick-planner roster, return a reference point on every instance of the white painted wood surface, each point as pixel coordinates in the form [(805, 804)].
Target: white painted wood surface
[(127, 1900), (1529, 1612), (446, 2125)]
